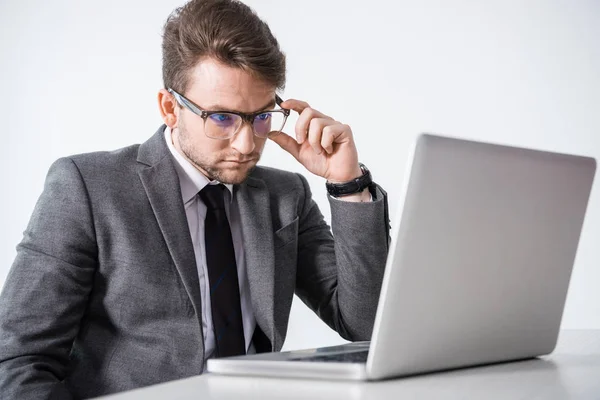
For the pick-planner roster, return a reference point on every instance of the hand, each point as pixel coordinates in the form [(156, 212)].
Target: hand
[(324, 146)]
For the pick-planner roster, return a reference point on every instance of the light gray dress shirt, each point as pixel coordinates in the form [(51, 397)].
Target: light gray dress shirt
[(192, 181)]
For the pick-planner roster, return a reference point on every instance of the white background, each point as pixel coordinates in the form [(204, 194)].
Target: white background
[(80, 76)]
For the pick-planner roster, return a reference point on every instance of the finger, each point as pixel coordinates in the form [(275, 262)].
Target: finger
[(330, 134), (303, 123), (315, 133), (296, 105), (286, 142)]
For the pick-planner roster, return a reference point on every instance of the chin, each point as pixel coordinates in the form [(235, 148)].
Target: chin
[(234, 176)]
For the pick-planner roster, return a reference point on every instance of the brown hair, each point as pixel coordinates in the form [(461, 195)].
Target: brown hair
[(225, 30)]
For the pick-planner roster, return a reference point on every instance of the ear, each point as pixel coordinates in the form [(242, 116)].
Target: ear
[(167, 106)]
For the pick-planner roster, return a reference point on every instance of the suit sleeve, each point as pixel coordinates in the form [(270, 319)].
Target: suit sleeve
[(339, 276), (46, 291)]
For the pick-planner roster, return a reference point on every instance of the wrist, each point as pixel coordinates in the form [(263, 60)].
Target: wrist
[(357, 173), (354, 186)]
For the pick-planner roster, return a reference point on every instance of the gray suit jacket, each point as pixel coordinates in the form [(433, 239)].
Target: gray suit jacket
[(103, 295)]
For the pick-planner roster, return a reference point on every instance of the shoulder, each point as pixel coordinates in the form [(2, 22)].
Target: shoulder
[(106, 162), (103, 168)]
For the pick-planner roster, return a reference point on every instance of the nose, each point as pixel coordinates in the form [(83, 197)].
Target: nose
[(243, 141)]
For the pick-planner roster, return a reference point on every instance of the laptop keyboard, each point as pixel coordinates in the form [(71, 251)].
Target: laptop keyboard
[(354, 357)]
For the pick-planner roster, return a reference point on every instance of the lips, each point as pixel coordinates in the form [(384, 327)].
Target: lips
[(239, 161)]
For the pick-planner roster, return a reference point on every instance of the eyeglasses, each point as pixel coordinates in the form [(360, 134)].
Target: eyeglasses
[(224, 125)]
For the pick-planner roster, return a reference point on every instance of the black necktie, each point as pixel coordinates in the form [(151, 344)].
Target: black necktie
[(222, 275)]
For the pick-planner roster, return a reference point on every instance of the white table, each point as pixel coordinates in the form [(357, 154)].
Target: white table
[(572, 371)]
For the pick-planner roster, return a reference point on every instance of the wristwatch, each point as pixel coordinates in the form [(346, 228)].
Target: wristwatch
[(354, 186)]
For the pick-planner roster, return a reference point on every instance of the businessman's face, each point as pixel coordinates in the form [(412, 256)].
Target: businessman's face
[(216, 87)]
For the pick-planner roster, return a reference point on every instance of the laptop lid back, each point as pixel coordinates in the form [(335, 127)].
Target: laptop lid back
[(481, 256)]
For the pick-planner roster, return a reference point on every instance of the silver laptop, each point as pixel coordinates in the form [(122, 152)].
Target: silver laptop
[(478, 268)]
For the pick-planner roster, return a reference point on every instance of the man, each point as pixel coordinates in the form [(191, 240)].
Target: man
[(140, 264)]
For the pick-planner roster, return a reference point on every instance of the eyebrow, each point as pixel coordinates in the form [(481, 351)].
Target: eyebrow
[(218, 107)]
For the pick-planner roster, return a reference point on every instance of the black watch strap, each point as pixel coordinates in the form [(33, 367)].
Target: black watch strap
[(354, 186)]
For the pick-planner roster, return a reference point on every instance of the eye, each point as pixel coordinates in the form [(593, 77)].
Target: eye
[(263, 117), (220, 117)]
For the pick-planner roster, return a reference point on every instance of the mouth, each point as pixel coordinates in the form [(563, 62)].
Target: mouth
[(240, 162)]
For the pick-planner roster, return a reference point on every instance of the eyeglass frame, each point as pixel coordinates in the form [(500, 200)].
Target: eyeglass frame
[(204, 114)]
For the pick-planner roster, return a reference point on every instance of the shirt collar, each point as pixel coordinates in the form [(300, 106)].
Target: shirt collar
[(190, 179)]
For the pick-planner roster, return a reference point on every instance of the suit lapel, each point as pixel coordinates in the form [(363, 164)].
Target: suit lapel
[(255, 217), (161, 183)]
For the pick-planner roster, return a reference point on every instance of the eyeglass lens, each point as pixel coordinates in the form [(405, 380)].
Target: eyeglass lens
[(224, 125)]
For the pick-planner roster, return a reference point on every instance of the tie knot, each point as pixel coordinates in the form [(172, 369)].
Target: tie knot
[(213, 196)]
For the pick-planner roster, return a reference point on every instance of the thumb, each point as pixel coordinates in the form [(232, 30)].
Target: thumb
[(286, 142)]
